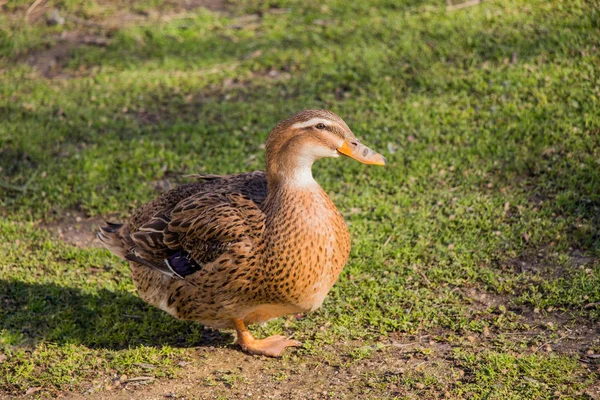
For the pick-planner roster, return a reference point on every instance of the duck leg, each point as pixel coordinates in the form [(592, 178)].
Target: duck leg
[(273, 346)]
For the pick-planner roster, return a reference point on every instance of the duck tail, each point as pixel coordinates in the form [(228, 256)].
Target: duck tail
[(115, 237)]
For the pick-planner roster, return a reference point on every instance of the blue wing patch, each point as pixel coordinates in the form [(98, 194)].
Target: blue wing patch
[(182, 264)]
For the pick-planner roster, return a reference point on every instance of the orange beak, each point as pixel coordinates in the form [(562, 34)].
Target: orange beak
[(355, 149)]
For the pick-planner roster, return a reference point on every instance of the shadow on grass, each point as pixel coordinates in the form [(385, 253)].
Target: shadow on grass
[(33, 312), (561, 188)]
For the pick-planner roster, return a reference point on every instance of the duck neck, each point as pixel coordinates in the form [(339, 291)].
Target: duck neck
[(290, 182), (291, 173)]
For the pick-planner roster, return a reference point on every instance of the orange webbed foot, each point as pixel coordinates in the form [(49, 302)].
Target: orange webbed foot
[(273, 346)]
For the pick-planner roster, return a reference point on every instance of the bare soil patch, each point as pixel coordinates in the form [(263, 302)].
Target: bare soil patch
[(227, 373), (550, 330), (51, 61), (75, 228), (213, 5), (543, 261), (38, 11)]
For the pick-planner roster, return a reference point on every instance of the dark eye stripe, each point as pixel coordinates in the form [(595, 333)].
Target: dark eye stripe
[(331, 128)]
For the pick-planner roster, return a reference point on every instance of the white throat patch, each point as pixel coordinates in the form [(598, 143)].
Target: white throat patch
[(303, 177)]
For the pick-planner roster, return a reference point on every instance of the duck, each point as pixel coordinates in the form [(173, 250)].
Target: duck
[(229, 251)]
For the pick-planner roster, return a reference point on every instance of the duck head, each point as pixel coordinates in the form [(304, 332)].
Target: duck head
[(297, 142)]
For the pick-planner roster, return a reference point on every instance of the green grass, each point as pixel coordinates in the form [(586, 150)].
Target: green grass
[(489, 118)]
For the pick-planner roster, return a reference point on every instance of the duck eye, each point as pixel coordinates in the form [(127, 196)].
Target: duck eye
[(320, 125)]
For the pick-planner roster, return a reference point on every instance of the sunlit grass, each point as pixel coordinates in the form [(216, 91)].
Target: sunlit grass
[(489, 118)]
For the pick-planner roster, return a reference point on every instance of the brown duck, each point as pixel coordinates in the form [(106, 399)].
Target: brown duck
[(234, 250)]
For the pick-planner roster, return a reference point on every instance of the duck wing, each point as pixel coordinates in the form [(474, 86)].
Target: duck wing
[(192, 225)]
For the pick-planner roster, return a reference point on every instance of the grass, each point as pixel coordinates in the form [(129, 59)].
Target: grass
[(480, 240)]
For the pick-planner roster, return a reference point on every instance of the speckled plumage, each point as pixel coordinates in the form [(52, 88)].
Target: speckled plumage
[(240, 249)]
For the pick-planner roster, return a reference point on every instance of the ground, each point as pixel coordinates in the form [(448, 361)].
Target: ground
[(475, 268)]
